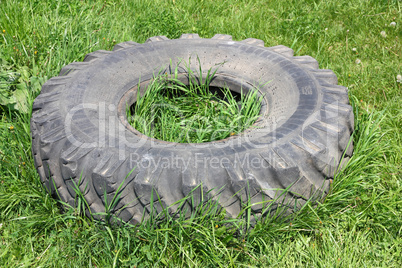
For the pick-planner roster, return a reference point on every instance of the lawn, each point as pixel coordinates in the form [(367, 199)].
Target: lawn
[(359, 224)]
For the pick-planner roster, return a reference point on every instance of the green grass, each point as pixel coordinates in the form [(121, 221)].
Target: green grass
[(358, 224), (172, 111)]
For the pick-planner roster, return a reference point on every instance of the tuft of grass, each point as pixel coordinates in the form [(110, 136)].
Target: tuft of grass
[(171, 110)]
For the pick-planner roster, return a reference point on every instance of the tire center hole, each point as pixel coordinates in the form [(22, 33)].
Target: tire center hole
[(191, 112)]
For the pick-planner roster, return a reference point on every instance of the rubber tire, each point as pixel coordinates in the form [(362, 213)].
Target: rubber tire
[(79, 135)]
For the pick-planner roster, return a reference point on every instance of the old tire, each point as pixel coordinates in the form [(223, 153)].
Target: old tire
[(81, 139)]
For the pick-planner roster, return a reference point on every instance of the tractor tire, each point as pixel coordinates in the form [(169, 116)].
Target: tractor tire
[(82, 142)]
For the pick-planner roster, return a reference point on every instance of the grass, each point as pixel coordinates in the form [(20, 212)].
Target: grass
[(172, 111), (358, 224)]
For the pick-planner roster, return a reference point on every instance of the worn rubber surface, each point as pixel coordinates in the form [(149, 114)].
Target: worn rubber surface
[(80, 134)]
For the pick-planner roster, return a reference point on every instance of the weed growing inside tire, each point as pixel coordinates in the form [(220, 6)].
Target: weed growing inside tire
[(172, 111)]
